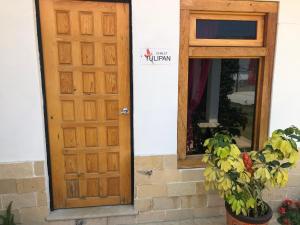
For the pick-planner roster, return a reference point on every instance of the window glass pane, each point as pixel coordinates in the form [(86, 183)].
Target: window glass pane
[(226, 29), (221, 96)]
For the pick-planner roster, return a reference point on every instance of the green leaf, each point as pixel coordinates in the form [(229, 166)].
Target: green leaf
[(8, 218), (225, 165), (274, 163), (233, 175), (293, 143), (223, 152), (269, 146), (222, 144), (206, 142), (293, 157), (261, 157), (286, 165), (279, 131), (250, 203), (289, 131), (295, 137), (205, 158)]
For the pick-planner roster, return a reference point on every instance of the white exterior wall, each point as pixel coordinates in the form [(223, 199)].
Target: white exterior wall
[(155, 25), (22, 136), (155, 87), (285, 110)]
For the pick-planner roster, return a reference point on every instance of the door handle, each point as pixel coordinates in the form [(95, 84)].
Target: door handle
[(125, 111)]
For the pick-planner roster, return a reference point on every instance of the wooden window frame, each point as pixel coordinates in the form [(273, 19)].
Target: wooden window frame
[(265, 53)]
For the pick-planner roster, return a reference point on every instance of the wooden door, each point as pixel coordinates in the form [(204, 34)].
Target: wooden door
[(86, 65)]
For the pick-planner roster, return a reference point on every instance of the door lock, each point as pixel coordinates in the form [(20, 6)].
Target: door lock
[(125, 111)]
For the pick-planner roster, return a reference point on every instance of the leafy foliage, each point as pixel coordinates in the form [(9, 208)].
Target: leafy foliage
[(289, 212), (240, 177), (8, 218)]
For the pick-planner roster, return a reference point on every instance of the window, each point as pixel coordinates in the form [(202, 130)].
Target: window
[(225, 73), (234, 29), (226, 29), (221, 96)]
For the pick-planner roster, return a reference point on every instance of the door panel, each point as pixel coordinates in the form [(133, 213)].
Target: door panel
[(86, 65)]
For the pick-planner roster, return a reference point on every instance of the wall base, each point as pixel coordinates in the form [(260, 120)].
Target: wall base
[(24, 184), (162, 193)]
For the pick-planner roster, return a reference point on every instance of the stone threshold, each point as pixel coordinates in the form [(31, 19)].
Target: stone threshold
[(91, 212)]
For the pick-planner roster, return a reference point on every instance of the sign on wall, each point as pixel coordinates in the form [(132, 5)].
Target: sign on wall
[(155, 56)]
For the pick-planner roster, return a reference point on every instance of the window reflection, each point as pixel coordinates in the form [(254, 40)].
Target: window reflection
[(221, 98), (226, 29)]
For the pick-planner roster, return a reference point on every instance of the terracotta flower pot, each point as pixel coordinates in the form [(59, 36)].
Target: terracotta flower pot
[(233, 219)]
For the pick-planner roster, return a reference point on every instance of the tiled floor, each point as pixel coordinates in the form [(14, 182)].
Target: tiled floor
[(197, 221), (90, 216), (210, 221), (204, 221)]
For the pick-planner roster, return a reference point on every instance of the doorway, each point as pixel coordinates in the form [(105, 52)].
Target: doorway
[(85, 48)]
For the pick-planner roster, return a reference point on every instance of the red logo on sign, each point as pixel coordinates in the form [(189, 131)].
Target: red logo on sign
[(148, 53)]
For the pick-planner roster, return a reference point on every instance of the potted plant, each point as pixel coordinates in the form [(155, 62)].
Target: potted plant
[(289, 212), (241, 177)]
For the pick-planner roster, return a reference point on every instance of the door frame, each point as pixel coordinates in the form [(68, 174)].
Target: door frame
[(43, 87)]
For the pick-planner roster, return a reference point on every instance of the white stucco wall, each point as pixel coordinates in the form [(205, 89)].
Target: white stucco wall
[(21, 116), (285, 108), (155, 25)]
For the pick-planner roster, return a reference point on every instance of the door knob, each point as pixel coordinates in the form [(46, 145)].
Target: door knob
[(125, 111)]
